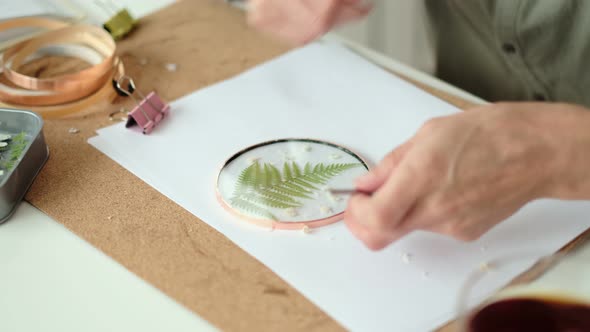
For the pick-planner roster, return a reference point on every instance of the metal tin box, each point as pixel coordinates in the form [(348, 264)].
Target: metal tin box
[(22, 159)]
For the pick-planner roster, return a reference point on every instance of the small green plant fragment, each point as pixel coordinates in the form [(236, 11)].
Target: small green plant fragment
[(13, 152), (263, 186)]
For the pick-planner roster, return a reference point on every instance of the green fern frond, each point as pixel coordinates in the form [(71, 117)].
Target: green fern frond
[(295, 187), (269, 200), (335, 169), (252, 208), (303, 183), (284, 190), (287, 174), (319, 168), (260, 187), (275, 175), (316, 178), (279, 196), (246, 178), (296, 170)]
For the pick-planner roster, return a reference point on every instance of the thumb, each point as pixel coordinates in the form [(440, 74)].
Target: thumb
[(371, 181), (349, 13)]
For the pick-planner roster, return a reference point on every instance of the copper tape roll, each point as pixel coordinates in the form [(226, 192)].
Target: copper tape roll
[(105, 94), (89, 36), (32, 22), (65, 94), (62, 89), (41, 23)]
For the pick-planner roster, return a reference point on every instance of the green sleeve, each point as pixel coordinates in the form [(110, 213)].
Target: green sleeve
[(515, 49)]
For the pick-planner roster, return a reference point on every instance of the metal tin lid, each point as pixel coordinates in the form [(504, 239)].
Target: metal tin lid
[(23, 153)]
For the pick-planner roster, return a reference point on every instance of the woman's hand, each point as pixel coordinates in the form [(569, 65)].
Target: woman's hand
[(462, 174), (301, 21)]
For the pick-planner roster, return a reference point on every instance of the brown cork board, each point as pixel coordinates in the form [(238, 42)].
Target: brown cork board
[(143, 230)]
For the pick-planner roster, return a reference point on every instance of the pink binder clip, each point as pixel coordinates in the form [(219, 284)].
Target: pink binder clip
[(150, 110)]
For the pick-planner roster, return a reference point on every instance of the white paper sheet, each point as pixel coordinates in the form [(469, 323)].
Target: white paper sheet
[(326, 92)]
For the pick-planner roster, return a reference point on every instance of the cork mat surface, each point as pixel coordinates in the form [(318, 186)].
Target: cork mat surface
[(140, 228)]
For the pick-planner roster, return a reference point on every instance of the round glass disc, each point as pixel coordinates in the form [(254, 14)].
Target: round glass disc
[(288, 183)]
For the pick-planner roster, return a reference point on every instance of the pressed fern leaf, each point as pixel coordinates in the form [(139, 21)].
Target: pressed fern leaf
[(17, 146), (260, 187), (269, 200), (252, 208), (284, 189)]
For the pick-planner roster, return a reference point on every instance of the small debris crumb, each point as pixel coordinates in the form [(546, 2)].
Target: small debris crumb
[(326, 209), (252, 160), (307, 148), (110, 217), (286, 155), (73, 130), (485, 267), (335, 156), (123, 111), (333, 198), (406, 257), (306, 229), (292, 212), (171, 67)]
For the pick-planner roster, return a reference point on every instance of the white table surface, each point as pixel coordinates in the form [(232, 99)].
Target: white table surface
[(51, 280)]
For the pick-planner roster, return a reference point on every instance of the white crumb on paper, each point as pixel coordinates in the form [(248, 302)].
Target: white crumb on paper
[(286, 156), (252, 160), (335, 156), (485, 267), (306, 229), (73, 130), (291, 212), (406, 258), (332, 197), (326, 209)]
